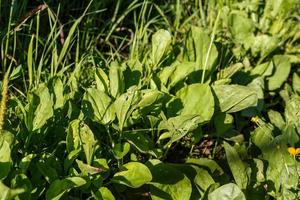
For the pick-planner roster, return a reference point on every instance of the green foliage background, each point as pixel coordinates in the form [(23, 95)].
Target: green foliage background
[(175, 99)]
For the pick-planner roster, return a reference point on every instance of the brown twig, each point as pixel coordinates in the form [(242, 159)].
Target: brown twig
[(29, 15)]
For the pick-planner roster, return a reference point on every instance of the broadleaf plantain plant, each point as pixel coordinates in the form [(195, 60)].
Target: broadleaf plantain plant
[(204, 109)]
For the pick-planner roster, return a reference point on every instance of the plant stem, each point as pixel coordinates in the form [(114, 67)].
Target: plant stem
[(210, 45)]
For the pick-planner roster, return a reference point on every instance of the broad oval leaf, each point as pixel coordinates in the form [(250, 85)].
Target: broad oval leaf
[(292, 112), (296, 83), (223, 122), (73, 138), (39, 109), (5, 158), (151, 101), (80, 136), (103, 194), (276, 119), (229, 191), (178, 127), (88, 142), (241, 29), (171, 75), (262, 137), (236, 165), (123, 105), (59, 187), (98, 106), (161, 40), (149, 97), (58, 90), (102, 81), (168, 182), (197, 99), (282, 68), (134, 175), (116, 78), (120, 150), (203, 179), (264, 44), (140, 141), (201, 50), (233, 98)]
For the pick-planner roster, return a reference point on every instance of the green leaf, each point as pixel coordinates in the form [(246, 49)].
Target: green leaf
[(292, 112), (59, 187), (262, 137), (168, 182), (133, 174), (233, 98), (207, 164), (257, 85), (229, 191), (7, 193), (179, 126), (25, 162), (71, 157), (200, 51), (264, 69), (197, 99), (237, 167), (120, 150), (103, 194), (161, 41), (98, 106), (264, 45), (88, 169), (123, 106), (21, 181), (203, 179), (29, 61), (8, 137), (16, 73), (198, 175), (88, 142), (39, 108), (140, 141), (171, 75), (102, 81), (229, 71), (73, 139), (278, 161), (182, 70), (149, 97), (49, 173), (260, 170), (296, 83), (275, 152), (290, 135), (241, 29), (5, 158), (68, 40), (116, 78), (223, 122), (282, 71), (58, 89), (276, 119), (80, 136), (151, 100)]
